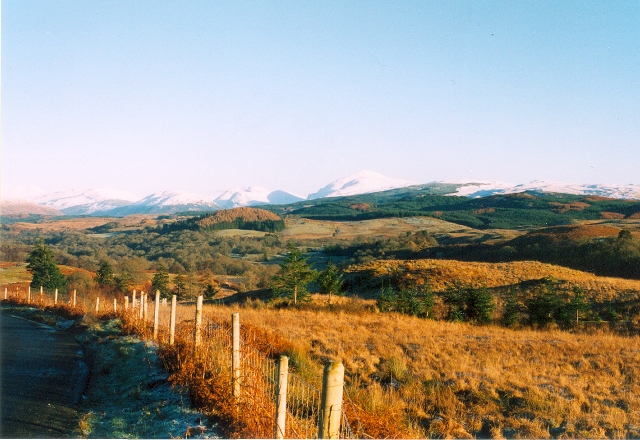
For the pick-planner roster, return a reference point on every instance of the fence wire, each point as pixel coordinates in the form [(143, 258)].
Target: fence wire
[(259, 382)]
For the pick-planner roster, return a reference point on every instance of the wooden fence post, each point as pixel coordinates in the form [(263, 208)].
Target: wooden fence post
[(156, 312), (172, 321), (281, 399), (141, 306), (97, 303), (126, 303), (133, 301), (115, 306), (74, 298), (55, 298), (235, 360), (331, 400), (28, 295), (5, 293), (41, 294), (198, 322)]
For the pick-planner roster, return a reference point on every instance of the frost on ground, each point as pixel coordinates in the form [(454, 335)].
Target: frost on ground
[(128, 395)]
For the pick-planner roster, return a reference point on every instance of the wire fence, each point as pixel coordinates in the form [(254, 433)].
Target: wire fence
[(259, 382), (258, 378)]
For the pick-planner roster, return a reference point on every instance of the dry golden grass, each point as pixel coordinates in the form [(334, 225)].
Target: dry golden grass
[(420, 378), (439, 273), (458, 380)]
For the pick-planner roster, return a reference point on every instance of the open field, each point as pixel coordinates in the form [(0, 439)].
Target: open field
[(457, 380)]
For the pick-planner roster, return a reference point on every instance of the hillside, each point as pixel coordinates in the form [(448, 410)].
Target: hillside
[(23, 208), (509, 211), (441, 273), (235, 218)]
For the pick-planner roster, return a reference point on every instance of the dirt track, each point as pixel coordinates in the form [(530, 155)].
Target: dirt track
[(41, 380)]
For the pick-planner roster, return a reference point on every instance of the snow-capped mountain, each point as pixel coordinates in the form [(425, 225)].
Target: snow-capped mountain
[(119, 203), (360, 183), (166, 202), (254, 195), (483, 189), (87, 201), (20, 206)]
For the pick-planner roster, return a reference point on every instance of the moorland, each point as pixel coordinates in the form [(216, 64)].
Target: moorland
[(504, 316)]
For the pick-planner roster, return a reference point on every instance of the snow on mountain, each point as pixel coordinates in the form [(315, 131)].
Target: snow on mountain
[(483, 189), (167, 202), (87, 201), (254, 195), (24, 207), (360, 183)]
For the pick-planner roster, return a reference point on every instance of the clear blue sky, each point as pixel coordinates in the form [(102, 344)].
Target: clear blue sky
[(204, 96)]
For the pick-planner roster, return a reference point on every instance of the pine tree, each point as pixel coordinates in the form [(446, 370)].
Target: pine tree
[(511, 309), (104, 275), (479, 305), (160, 281), (294, 277), (43, 268), (331, 280)]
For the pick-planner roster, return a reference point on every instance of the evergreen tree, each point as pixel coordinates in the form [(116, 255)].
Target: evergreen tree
[(160, 281), (569, 314), (294, 276), (511, 309), (479, 305), (210, 291), (544, 306), (455, 298), (104, 275), (179, 286), (467, 303), (331, 280), (44, 271), (410, 301)]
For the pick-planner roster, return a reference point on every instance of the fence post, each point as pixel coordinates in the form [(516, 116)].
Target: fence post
[(281, 400), (198, 322), (5, 293), (55, 298), (156, 312), (41, 294), (235, 360), (172, 321), (28, 295), (115, 306), (133, 301), (126, 303), (74, 298), (141, 306), (331, 400), (144, 308), (97, 304)]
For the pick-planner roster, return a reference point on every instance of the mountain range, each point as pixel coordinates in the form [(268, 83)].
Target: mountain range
[(120, 203)]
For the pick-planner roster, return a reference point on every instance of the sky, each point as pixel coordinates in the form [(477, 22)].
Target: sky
[(204, 96)]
